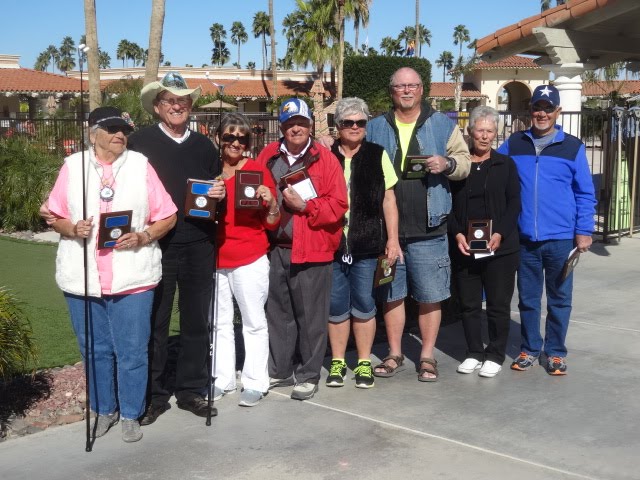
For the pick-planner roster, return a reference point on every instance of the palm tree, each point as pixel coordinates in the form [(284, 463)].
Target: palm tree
[(318, 28), (42, 62), (218, 34), (408, 35), (261, 28), (136, 55), (251, 66), (546, 4), (54, 55), (154, 52), (445, 60), (360, 17), (220, 54), (274, 66), (392, 47), (460, 35), (238, 36), (417, 31), (123, 50), (104, 59), (67, 49), (91, 31)]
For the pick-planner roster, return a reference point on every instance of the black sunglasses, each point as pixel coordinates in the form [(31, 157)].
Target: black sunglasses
[(113, 129), (230, 138), (545, 109), (351, 123)]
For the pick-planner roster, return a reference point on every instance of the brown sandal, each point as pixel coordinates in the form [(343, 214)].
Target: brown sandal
[(389, 371), (430, 367)]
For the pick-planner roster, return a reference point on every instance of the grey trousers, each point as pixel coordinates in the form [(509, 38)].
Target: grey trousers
[(297, 315)]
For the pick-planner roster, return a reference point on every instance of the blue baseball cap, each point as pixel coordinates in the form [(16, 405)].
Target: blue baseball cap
[(294, 107), (548, 93)]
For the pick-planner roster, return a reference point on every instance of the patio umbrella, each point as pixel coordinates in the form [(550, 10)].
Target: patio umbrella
[(219, 104)]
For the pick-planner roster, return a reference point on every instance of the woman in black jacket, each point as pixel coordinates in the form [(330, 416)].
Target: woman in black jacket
[(485, 213)]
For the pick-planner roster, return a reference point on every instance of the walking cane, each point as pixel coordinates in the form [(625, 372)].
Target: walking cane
[(213, 338), (82, 49)]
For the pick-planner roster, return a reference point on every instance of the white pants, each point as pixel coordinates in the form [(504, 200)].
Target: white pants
[(249, 285)]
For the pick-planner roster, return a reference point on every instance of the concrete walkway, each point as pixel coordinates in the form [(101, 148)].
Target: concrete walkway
[(518, 425)]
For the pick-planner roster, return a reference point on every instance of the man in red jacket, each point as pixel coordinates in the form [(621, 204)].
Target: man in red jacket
[(312, 196)]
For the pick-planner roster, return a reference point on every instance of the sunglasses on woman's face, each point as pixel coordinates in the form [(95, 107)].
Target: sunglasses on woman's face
[(351, 123), (230, 138), (113, 129)]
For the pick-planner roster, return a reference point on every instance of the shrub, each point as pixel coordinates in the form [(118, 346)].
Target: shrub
[(28, 174), (17, 349)]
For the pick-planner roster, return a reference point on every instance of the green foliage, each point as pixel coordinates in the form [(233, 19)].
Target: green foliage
[(17, 349), (28, 174), (125, 94), (368, 78)]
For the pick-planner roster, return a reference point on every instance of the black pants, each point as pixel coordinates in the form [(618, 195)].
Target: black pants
[(297, 315), (497, 276), (190, 268)]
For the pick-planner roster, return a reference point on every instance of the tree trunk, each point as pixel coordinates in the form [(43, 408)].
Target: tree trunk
[(418, 45), (91, 33), (341, 48), (155, 41), (274, 71)]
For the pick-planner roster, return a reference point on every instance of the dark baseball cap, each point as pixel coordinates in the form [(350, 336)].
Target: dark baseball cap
[(108, 117), (548, 93)]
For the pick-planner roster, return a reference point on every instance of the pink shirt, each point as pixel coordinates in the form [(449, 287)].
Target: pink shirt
[(160, 206)]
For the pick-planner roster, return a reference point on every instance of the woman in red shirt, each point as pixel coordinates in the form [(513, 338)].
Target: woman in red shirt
[(243, 267)]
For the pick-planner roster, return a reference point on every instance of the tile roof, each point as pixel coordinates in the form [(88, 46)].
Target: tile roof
[(25, 80), (549, 18), (446, 90), (514, 61), (254, 88), (599, 89)]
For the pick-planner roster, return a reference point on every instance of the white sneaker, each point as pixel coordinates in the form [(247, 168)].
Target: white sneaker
[(304, 391), (469, 365), (489, 369)]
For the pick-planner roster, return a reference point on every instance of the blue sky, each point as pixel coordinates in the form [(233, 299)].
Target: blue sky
[(29, 26)]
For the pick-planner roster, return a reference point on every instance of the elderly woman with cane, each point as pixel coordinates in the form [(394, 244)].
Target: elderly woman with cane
[(485, 210), (122, 267), (243, 267), (371, 229)]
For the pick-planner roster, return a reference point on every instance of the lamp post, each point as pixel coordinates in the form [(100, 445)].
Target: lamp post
[(82, 49)]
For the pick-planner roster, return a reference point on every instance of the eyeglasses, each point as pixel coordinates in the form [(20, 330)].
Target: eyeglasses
[(230, 138), (351, 123), (400, 87), (173, 80), (181, 102), (545, 109), (113, 129)]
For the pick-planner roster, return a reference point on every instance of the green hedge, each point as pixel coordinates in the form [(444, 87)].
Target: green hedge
[(368, 78)]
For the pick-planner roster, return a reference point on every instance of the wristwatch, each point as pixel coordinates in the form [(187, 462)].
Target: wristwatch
[(451, 166)]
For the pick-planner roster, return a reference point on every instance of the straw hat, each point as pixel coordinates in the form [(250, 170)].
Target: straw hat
[(172, 82)]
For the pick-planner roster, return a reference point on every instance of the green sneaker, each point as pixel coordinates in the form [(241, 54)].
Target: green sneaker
[(337, 371), (364, 374)]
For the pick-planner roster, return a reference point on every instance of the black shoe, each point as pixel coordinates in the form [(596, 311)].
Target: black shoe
[(197, 405), (153, 412)]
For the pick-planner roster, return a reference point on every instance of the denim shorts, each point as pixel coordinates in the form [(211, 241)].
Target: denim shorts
[(426, 272), (352, 291)]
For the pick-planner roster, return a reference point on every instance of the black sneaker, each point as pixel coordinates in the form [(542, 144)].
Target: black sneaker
[(197, 405), (337, 371), (153, 412), (364, 374), (556, 366)]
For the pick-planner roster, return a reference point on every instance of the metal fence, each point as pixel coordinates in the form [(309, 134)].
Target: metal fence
[(611, 139)]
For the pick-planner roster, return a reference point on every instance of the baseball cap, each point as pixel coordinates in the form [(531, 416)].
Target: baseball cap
[(108, 117), (548, 93), (294, 107)]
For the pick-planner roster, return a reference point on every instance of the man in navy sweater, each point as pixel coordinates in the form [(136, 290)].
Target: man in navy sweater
[(558, 207), (177, 153)]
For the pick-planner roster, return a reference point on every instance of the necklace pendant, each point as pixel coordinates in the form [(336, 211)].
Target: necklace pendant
[(478, 167), (106, 193)]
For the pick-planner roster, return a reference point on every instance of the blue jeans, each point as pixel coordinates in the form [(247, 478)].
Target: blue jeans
[(119, 328), (541, 263), (352, 292)]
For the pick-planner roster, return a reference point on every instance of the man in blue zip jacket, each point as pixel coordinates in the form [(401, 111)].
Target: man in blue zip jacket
[(558, 207)]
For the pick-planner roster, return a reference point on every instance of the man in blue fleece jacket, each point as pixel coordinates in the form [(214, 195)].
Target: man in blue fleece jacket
[(558, 207)]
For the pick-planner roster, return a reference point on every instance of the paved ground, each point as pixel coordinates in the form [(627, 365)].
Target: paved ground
[(517, 425)]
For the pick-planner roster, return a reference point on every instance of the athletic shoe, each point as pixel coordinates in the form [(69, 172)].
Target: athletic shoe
[(337, 371), (250, 398), (304, 391), (556, 366), (104, 422), (364, 374), (281, 382), (523, 362), (218, 393), (489, 369), (469, 365), (130, 430)]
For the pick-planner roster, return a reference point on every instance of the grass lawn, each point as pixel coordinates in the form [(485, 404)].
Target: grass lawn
[(28, 270)]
